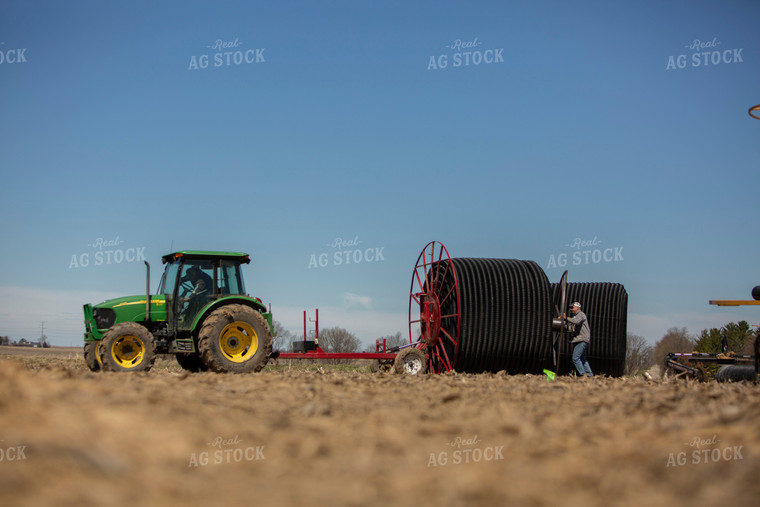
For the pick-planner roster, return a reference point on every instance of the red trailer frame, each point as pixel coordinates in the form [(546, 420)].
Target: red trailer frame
[(437, 342), (382, 352)]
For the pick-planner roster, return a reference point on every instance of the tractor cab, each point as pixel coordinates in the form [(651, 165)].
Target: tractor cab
[(201, 314), (193, 279)]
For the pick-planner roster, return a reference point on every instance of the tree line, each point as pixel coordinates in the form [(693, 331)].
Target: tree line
[(331, 339), (23, 342), (735, 337)]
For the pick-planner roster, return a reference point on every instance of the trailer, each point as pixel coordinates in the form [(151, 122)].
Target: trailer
[(723, 367), (408, 359), (706, 366)]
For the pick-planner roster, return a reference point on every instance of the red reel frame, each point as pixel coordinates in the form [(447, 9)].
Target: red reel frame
[(430, 295)]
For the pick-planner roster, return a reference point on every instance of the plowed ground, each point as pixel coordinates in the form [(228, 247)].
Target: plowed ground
[(297, 435)]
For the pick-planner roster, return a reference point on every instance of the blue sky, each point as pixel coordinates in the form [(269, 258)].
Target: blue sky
[(571, 127)]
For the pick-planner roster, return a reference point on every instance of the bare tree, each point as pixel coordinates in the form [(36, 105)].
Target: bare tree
[(337, 339), (391, 341), (638, 354), (675, 340), (281, 338)]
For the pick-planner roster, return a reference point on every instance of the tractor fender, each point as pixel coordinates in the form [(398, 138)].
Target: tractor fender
[(230, 300)]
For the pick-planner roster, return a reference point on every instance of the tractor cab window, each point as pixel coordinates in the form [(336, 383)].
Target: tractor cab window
[(196, 289), (197, 280), (166, 286), (230, 279)]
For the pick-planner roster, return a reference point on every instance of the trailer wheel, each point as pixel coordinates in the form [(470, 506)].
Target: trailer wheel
[(235, 339), (191, 362), (411, 361), (91, 356), (128, 347)]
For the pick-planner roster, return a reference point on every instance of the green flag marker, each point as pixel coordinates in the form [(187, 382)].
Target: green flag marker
[(549, 375)]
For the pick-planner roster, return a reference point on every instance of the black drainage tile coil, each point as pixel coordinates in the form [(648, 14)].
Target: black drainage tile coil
[(506, 315), (606, 307)]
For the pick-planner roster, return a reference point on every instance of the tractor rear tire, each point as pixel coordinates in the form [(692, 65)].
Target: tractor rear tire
[(235, 339), (411, 361), (191, 362), (91, 357), (128, 346)]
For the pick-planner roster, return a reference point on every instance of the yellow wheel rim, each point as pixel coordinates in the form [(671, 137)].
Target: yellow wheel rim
[(96, 350), (128, 351), (238, 342)]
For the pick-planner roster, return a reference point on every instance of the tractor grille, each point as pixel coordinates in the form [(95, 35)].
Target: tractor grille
[(104, 317)]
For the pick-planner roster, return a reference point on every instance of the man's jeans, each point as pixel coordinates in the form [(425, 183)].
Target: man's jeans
[(580, 359)]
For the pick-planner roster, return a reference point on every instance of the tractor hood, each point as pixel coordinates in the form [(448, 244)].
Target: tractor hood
[(100, 317), (127, 301)]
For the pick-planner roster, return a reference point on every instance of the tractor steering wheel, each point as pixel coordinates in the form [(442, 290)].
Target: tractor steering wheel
[(186, 287)]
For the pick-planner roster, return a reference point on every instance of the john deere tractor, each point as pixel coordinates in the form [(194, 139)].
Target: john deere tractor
[(201, 314)]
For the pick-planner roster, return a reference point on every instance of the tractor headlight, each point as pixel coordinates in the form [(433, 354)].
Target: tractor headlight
[(104, 317)]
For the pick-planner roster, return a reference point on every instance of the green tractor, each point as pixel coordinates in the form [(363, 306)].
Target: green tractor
[(201, 314)]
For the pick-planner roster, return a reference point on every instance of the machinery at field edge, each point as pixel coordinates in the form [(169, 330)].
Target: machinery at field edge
[(730, 367)]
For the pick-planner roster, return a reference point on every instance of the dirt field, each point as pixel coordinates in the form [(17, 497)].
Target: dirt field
[(301, 436)]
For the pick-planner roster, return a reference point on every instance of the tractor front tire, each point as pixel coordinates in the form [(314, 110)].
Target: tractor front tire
[(235, 339), (91, 357), (128, 346)]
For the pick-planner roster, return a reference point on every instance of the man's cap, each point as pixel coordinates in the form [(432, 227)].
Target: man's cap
[(577, 304)]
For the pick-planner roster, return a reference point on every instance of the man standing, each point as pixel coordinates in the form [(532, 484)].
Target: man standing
[(582, 337)]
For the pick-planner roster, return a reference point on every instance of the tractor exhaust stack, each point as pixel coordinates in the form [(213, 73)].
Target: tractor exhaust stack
[(147, 292)]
